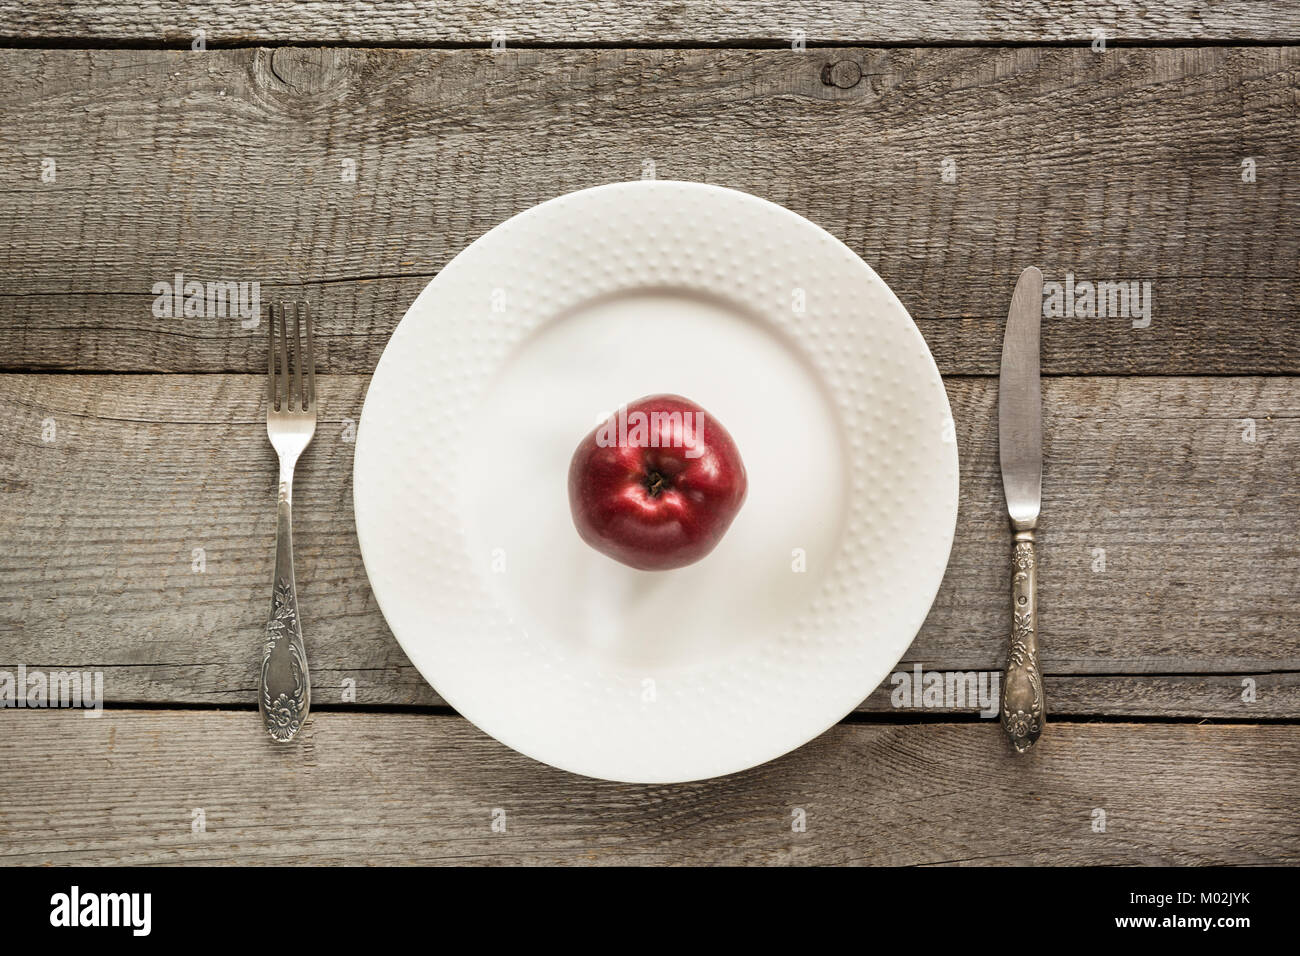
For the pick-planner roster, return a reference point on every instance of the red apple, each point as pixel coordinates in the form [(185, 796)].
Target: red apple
[(657, 485)]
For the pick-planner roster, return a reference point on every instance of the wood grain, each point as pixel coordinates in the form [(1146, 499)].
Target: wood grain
[(1170, 563), (397, 789), (571, 22), (227, 166), (1198, 528)]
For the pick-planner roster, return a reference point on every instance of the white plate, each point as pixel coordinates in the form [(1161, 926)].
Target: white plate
[(551, 321)]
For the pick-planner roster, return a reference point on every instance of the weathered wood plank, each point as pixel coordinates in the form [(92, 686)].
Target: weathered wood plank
[(363, 789), (228, 166), (650, 22), (1198, 527)]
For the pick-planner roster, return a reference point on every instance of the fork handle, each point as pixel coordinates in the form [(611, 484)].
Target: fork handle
[(285, 696), (1024, 710)]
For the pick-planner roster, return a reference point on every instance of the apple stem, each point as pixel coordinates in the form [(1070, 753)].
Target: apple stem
[(655, 484)]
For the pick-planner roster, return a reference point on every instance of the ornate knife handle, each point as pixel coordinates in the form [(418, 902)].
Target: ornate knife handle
[(285, 694), (1023, 708)]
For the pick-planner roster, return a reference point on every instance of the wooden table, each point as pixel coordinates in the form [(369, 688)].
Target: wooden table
[(949, 143)]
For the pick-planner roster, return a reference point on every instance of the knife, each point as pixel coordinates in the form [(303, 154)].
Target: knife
[(1020, 449)]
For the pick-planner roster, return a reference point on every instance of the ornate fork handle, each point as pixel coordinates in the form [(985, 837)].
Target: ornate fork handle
[(285, 695), (1023, 707)]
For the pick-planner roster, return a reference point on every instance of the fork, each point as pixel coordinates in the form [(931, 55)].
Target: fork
[(285, 696)]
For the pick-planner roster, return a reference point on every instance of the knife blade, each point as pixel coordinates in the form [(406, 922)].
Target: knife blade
[(1020, 407), (1020, 451)]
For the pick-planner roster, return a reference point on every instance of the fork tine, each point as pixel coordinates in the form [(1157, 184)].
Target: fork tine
[(270, 359), (311, 360), (284, 360), (296, 386)]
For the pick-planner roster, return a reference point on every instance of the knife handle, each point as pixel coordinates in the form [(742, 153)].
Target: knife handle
[(1023, 708)]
